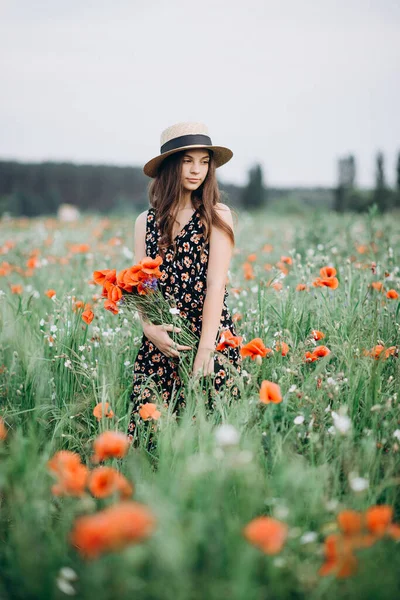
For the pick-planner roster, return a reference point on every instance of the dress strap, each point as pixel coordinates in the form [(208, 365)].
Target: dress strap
[(150, 219)]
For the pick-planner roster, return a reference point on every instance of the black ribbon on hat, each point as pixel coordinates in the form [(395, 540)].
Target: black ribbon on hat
[(186, 140)]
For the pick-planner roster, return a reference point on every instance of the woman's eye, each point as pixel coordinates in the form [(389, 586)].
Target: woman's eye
[(207, 162)]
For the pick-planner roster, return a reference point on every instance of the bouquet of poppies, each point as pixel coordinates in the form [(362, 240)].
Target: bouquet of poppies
[(137, 289)]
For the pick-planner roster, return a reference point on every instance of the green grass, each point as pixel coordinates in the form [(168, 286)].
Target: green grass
[(201, 494)]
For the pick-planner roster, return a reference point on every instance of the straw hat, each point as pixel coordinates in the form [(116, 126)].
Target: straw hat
[(181, 137)]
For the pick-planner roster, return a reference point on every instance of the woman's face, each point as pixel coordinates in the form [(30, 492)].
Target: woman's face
[(194, 168)]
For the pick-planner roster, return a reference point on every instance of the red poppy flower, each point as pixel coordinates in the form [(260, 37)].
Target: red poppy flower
[(88, 316), (267, 534), (255, 348), (270, 392), (228, 340)]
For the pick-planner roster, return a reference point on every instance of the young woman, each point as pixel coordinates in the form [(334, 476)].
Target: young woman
[(193, 232)]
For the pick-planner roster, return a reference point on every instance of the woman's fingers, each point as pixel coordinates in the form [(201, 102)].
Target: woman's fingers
[(171, 327), (173, 349)]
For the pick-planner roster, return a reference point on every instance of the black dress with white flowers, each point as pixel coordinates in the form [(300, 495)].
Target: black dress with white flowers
[(184, 279)]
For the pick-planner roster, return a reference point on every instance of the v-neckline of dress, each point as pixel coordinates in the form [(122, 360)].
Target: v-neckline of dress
[(185, 226), (182, 231)]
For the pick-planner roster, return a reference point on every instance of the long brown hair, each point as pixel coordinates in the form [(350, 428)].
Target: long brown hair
[(165, 193)]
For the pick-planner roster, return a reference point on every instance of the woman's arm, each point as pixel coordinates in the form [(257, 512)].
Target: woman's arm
[(220, 255)]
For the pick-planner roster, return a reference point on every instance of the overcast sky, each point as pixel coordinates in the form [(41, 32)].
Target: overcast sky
[(293, 84)]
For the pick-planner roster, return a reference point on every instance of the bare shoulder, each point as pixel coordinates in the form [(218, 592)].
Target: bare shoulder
[(140, 223), (224, 212), (142, 217)]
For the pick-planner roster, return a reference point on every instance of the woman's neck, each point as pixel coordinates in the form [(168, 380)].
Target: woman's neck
[(186, 202)]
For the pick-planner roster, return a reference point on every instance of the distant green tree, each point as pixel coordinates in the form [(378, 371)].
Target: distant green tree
[(397, 193), (398, 173), (339, 198), (382, 195), (23, 204), (344, 192), (254, 194)]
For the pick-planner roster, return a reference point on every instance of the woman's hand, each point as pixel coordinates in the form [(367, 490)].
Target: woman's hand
[(204, 362), (158, 335)]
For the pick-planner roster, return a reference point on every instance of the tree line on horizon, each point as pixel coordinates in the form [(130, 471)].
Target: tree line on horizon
[(348, 196), (34, 189)]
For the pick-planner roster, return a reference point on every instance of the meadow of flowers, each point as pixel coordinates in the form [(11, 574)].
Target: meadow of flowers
[(293, 491)]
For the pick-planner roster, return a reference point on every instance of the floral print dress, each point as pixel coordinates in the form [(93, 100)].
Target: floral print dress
[(184, 280)]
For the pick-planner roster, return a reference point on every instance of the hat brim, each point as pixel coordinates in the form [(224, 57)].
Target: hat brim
[(221, 156)]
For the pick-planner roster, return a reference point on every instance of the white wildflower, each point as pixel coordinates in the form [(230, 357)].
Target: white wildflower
[(309, 537), (68, 364), (292, 388), (227, 435), (358, 484), (174, 311), (65, 586), (53, 328), (396, 434), (298, 420), (341, 422), (281, 512), (68, 573)]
